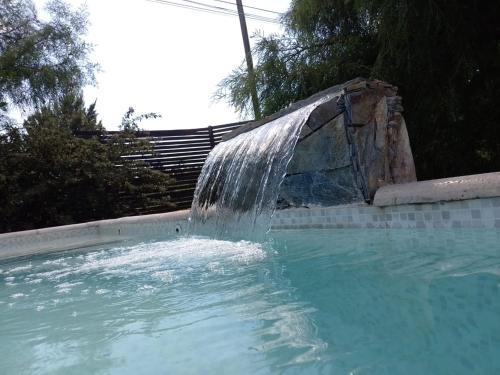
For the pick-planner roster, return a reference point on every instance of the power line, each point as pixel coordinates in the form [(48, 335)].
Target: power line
[(248, 6), (213, 9), (211, 6)]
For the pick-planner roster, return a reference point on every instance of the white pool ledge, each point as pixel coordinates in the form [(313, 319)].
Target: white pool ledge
[(486, 185)]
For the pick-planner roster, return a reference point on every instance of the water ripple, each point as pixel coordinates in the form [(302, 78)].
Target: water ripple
[(305, 302)]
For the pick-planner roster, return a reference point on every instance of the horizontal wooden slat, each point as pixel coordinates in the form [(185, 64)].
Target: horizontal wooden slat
[(190, 147), (174, 167), (173, 162), (235, 125), (167, 156), (167, 168), (176, 163), (179, 139), (164, 133), (186, 171), (183, 137), (176, 143), (181, 154), (221, 132), (175, 171)]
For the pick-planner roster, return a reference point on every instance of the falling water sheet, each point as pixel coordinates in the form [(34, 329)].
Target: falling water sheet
[(237, 190)]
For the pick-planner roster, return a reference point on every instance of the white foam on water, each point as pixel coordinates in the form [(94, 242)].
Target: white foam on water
[(65, 287), (19, 269), (165, 276), (166, 261), (56, 262)]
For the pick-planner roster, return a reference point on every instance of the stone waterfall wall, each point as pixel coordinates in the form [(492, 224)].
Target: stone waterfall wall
[(350, 146)]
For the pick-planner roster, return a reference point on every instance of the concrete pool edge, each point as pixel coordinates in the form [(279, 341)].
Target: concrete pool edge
[(68, 237), (460, 202)]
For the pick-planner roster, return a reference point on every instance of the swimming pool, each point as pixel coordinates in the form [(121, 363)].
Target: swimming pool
[(303, 302)]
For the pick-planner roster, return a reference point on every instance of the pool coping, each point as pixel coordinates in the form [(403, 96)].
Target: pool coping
[(486, 185)]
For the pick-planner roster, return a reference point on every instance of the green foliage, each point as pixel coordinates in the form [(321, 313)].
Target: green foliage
[(444, 56), (69, 114), (41, 61), (48, 176), (130, 121)]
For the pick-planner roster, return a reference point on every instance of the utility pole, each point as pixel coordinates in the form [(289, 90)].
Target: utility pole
[(248, 56)]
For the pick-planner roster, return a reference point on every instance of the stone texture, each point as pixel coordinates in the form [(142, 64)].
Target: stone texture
[(334, 90), (326, 147), (320, 188), (345, 156)]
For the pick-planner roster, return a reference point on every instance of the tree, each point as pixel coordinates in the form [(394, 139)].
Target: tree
[(41, 61), (48, 176), (444, 55), (70, 114)]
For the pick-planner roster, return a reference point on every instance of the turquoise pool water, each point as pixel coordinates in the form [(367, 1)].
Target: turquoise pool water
[(305, 302)]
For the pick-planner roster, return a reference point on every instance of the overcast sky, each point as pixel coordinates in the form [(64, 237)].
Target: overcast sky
[(165, 59)]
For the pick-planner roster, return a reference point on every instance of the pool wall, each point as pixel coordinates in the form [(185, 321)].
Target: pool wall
[(67, 237), (471, 213), (460, 202)]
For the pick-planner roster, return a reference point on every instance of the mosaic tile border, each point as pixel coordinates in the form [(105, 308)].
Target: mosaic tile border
[(472, 213)]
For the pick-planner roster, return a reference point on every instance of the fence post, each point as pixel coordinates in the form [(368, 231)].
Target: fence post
[(211, 137)]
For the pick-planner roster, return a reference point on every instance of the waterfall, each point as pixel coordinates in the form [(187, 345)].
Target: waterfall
[(239, 184)]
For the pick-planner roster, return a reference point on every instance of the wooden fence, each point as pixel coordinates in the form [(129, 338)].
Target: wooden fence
[(181, 153)]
